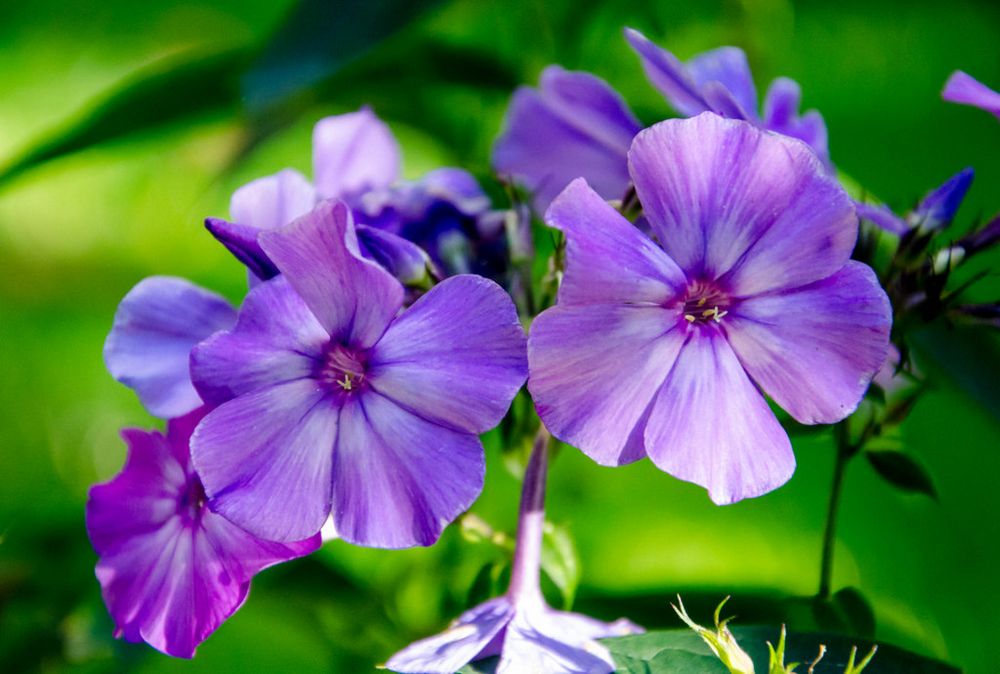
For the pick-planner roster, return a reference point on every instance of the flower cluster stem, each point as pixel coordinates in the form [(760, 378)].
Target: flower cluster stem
[(525, 579), (845, 452)]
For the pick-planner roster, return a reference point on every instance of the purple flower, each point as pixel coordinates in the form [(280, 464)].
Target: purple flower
[(171, 570), (934, 212), (157, 324), (963, 88), (332, 400), (519, 627), (662, 347)]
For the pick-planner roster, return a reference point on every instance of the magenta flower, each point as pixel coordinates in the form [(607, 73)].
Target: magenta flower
[(965, 89), (519, 627), (171, 570), (663, 346), (331, 399)]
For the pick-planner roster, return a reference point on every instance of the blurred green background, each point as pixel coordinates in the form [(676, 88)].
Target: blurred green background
[(123, 124)]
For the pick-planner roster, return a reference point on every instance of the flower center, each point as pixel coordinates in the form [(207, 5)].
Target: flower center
[(343, 369), (192, 501), (704, 303)]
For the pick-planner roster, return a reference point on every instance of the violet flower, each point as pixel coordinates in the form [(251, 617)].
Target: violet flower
[(965, 89), (156, 325), (519, 627), (330, 398), (662, 347), (171, 570), (934, 212)]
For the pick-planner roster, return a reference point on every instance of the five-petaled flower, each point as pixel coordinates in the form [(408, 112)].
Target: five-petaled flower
[(662, 347)]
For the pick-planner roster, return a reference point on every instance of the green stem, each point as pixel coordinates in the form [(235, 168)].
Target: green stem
[(845, 451)]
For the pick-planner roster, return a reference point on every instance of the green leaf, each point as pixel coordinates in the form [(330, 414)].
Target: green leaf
[(560, 561), (856, 610), (902, 471), (969, 356)]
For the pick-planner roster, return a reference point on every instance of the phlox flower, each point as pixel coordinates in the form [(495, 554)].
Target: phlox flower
[(332, 399), (664, 346), (967, 90), (934, 212), (171, 570)]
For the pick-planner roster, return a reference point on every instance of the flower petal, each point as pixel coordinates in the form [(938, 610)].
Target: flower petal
[(241, 241), (354, 299), (728, 67), (456, 357), (938, 207), (573, 125), (353, 153), (276, 339), (272, 201), (781, 114), (607, 258), (668, 75), (265, 459), (398, 479), (882, 216), (403, 259), (752, 210), (711, 426), (545, 641), (458, 645), (815, 349), (157, 324), (963, 88), (594, 371)]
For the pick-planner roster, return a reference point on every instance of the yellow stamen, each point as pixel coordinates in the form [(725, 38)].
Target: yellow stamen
[(346, 384), (689, 318)]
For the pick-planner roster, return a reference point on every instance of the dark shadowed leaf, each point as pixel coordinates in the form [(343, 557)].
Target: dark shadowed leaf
[(968, 355), (902, 471)]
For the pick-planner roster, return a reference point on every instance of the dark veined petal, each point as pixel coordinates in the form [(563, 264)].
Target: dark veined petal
[(241, 241), (815, 349), (608, 260), (265, 459), (594, 371), (276, 339), (353, 298), (157, 324), (399, 479), (573, 125), (753, 211), (353, 153), (455, 357), (711, 426)]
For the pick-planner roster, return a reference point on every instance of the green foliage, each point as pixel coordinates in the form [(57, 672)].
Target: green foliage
[(902, 471)]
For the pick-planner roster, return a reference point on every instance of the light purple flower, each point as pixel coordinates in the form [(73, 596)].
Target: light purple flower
[(171, 570), (157, 324), (332, 400), (662, 347), (519, 627), (963, 88)]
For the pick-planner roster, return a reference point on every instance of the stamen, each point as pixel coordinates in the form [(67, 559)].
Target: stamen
[(689, 318), (346, 384)]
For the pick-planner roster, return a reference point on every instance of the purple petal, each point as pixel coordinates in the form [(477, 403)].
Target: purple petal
[(668, 75), (815, 349), (157, 324), (241, 241), (354, 299), (963, 88), (728, 67), (607, 258), (594, 371), (781, 114), (574, 125), (938, 208), (265, 459), (710, 425), (353, 153), (456, 357), (882, 216), (753, 210), (403, 259), (273, 201), (276, 339), (398, 479), (548, 641), (458, 645)]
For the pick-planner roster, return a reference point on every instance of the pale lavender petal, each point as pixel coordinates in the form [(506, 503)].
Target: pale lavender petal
[(353, 298), (815, 349), (456, 357), (781, 114), (241, 241), (882, 216), (276, 339), (544, 641), (458, 645), (752, 210), (963, 88), (265, 459), (668, 75), (403, 259), (157, 324), (574, 125), (353, 153), (710, 425), (722, 102), (398, 479), (728, 67), (607, 258), (273, 201), (594, 371)]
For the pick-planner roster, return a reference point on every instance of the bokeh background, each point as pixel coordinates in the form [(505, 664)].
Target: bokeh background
[(124, 124)]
